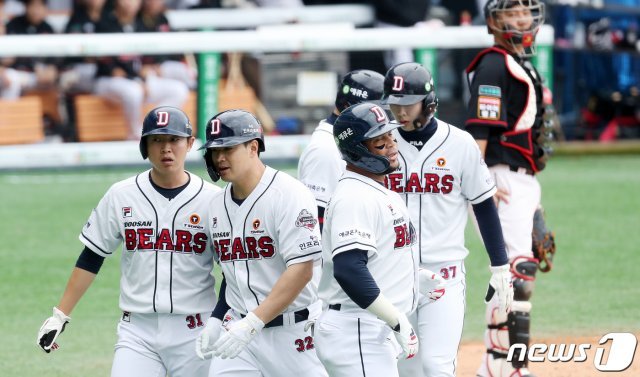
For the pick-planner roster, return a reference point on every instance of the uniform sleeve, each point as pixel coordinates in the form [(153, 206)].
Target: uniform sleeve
[(487, 88), (353, 226), (476, 181), (320, 172), (298, 228), (101, 233)]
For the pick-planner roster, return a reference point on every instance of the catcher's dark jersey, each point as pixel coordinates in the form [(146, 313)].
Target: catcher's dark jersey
[(505, 108)]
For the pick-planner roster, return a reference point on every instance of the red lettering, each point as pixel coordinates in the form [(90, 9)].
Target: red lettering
[(393, 182), (413, 184), (163, 241), (237, 250), (252, 248), (431, 183), (199, 243), (266, 247), (130, 239), (144, 238), (447, 184), (222, 248), (403, 237), (183, 239)]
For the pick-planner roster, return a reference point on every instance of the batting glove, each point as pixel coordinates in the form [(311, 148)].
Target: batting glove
[(237, 336), (501, 286), (431, 284), (406, 337), (210, 334), (51, 329)]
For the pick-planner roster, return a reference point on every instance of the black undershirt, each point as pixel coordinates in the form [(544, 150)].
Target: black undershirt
[(419, 137), (169, 193)]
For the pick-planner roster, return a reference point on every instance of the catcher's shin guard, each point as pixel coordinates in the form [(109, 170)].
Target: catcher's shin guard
[(503, 330)]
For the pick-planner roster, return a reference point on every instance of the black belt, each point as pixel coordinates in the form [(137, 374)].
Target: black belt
[(519, 169), (335, 306), (299, 316)]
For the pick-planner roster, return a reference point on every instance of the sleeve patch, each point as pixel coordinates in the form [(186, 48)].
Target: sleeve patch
[(306, 220), (489, 90), (489, 108)]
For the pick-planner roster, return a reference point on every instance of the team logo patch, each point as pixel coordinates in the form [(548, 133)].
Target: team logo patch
[(306, 220), (256, 224), (214, 222), (163, 118), (441, 162), (127, 212), (194, 219), (398, 83), (489, 90), (489, 108)]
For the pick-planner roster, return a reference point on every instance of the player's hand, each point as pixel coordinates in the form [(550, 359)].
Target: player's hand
[(406, 337), (237, 336), (501, 195), (210, 334), (51, 329), (501, 285), (431, 284)]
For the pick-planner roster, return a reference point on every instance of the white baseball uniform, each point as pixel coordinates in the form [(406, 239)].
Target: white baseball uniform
[(438, 182), (321, 165), (166, 286), (275, 227), (362, 214)]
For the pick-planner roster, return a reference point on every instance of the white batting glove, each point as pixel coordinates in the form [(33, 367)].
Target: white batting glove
[(500, 284), (431, 284), (237, 336), (406, 337), (51, 329), (210, 334)]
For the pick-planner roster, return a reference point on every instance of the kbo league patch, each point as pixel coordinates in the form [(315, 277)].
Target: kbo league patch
[(489, 108)]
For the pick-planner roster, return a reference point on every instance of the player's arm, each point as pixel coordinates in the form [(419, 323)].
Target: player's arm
[(285, 291), (82, 276), (491, 231), (351, 272)]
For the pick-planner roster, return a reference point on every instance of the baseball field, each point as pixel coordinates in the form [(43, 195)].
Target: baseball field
[(592, 203)]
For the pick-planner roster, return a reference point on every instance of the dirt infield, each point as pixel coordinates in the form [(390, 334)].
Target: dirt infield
[(471, 353)]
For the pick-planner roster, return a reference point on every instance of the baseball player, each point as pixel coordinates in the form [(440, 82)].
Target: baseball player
[(266, 237), (505, 116), (167, 293), (440, 172), (320, 165), (369, 277)]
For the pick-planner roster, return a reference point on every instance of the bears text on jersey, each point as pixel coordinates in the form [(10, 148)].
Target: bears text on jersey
[(430, 183)]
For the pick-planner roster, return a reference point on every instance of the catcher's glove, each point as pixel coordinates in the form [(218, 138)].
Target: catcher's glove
[(544, 246)]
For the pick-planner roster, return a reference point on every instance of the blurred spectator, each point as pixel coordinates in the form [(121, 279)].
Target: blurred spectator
[(124, 79), (25, 73), (152, 19), (80, 72)]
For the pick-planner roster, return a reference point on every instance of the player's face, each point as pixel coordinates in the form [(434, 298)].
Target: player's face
[(517, 17), (384, 145), (232, 162), (168, 152), (407, 114)]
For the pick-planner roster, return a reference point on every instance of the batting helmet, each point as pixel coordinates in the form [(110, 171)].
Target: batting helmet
[(164, 120), (355, 125), (511, 33), (229, 128), (409, 83), (359, 86)]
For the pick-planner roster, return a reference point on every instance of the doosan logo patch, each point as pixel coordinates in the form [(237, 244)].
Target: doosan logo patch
[(127, 212), (306, 220)]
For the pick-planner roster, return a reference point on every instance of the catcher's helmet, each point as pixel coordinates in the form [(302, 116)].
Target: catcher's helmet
[(409, 83), (164, 120), (361, 85), (229, 128), (510, 33), (359, 123)]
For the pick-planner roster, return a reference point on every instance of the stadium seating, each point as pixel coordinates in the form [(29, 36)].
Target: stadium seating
[(21, 121)]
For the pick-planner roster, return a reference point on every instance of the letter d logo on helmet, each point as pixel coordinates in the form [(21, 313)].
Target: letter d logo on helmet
[(227, 129), (164, 120), (355, 125)]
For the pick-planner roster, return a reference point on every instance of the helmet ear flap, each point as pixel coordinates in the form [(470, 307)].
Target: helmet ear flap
[(143, 148), (211, 170)]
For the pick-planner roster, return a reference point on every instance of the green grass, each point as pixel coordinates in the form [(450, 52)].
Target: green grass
[(592, 204)]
